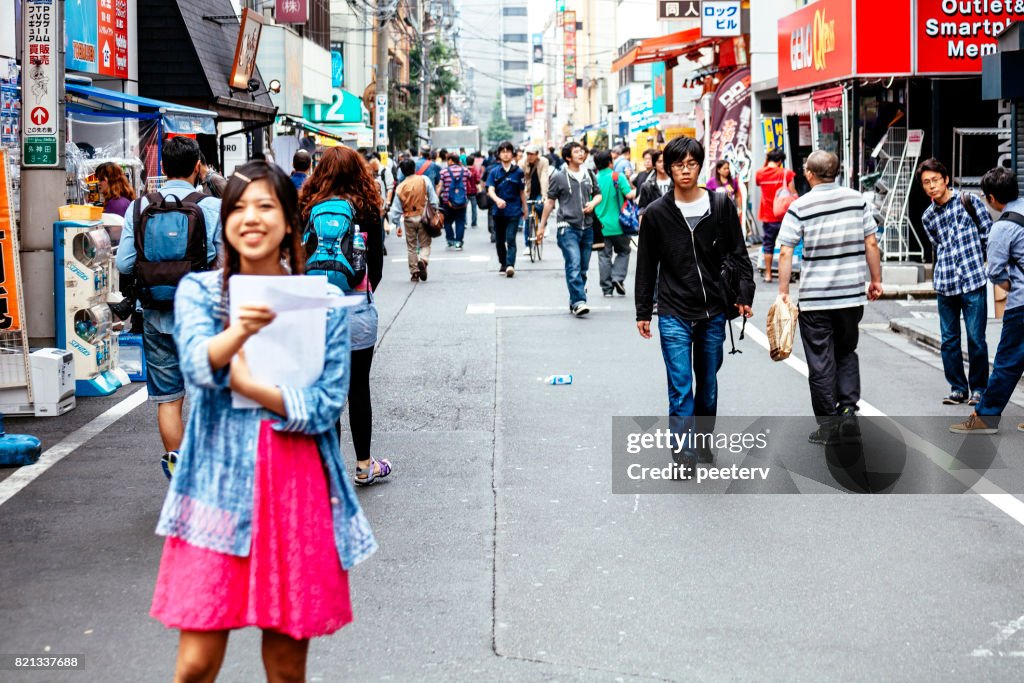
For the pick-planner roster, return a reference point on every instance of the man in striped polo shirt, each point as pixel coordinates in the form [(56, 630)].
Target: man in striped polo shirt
[(838, 231)]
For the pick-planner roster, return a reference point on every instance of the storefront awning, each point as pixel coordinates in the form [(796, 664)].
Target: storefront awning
[(664, 48), (177, 118), (317, 128), (827, 100), (796, 105)]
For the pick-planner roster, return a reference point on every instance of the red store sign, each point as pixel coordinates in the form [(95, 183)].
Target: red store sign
[(820, 43), (952, 35)]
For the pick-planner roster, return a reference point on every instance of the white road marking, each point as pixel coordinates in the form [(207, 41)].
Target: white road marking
[(992, 648), (479, 258), (491, 308), (1007, 503), (759, 337), (918, 302), (76, 439)]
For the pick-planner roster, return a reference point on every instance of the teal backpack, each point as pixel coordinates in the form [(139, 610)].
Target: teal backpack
[(332, 245)]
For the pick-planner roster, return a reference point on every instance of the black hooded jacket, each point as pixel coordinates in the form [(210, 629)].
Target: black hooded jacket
[(688, 264)]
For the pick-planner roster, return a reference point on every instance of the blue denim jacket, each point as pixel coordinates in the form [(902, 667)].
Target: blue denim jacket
[(210, 500)]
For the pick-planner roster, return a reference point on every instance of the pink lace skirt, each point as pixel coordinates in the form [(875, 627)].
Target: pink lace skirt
[(291, 582)]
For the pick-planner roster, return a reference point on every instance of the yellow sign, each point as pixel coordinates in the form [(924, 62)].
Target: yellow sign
[(824, 40), (10, 293)]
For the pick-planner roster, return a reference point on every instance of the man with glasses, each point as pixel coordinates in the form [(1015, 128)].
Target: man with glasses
[(958, 225), (1006, 271), (688, 236)]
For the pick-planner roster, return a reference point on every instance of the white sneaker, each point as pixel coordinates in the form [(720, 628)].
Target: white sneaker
[(580, 310), (510, 272)]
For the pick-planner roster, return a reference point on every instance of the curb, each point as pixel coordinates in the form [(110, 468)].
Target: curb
[(918, 336)]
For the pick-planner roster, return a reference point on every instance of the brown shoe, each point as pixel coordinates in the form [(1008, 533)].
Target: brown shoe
[(973, 425), (423, 270), (415, 277), (1020, 427)]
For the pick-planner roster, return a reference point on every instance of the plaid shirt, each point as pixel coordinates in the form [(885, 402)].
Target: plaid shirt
[(959, 244)]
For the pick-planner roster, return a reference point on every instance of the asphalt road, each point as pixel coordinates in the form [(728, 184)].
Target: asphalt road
[(504, 553)]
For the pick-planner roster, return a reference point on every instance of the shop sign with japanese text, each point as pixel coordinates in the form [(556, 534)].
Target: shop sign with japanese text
[(816, 44), (569, 55), (953, 35), (720, 18), (291, 12), (40, 109), (96, 37), (670, 10), (248, 45), (380, 136)]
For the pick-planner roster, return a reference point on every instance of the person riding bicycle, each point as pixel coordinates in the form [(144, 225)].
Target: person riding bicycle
[(535, 170)]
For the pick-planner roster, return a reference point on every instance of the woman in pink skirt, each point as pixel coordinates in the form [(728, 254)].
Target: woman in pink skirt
[(261, 521)]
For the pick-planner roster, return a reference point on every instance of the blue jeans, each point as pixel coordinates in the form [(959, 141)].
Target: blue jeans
[(577, 245), (972, 305), (454, 218), (693, 353), (1009, 364), (473, 205), (505, 239)]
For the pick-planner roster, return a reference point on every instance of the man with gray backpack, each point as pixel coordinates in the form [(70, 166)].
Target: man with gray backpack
[(168, 234)]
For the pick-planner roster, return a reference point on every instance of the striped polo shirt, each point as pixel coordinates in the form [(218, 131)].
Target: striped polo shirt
[(833, 222)]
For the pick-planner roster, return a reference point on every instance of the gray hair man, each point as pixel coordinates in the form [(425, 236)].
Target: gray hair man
[(838, 232)]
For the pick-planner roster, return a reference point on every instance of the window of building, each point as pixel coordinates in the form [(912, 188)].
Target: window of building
[(515, 37), (518, 123), (515, 92), (516, 65), (318, 28), (514, 11)]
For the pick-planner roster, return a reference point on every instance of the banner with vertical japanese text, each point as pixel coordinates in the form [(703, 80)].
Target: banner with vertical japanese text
[(569, 52), (730, 124)]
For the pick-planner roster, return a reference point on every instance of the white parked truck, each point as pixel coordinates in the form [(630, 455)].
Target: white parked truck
[(453, 138)]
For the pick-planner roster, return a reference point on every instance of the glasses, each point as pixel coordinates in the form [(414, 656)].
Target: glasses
[(690, 165), (932, 182)]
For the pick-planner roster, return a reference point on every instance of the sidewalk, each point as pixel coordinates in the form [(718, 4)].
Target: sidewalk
[(926, 331)]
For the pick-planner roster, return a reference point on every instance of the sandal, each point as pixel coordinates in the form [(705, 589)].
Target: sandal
[(383, 468)]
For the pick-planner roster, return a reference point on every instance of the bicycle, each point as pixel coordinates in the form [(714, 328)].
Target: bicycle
[(536, 247)]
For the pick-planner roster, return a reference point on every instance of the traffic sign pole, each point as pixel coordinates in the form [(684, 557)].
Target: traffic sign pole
[(43, 175)]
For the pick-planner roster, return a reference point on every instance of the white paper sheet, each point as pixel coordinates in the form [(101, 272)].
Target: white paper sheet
[(290, 350)]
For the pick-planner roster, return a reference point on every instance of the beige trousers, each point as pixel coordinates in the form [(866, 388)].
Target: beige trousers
[(417, 243)]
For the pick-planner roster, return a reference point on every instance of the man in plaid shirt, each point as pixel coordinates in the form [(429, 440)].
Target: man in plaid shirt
[(958, 225)]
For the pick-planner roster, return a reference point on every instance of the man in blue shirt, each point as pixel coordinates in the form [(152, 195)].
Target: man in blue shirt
[(300, 168), (1005, 270), (164, 381), (957, 225), (506, 187)]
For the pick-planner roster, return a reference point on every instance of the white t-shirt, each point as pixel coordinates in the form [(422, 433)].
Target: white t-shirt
[(664, 185), (578, 176), (693, 212)]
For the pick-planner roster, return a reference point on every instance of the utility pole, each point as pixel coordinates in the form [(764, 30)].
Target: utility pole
[(380, 133), (424, 81), (43, 178)]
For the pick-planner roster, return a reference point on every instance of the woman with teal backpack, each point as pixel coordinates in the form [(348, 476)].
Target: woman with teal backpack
[(343, 177)]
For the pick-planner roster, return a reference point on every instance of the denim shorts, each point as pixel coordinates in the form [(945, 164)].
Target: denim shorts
[(163, 371), (362, 325)]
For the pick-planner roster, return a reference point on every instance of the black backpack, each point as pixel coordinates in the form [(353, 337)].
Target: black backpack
[(170, 243), (729, 277)]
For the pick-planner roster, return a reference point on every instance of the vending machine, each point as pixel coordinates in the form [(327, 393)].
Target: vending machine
[(82, 263)]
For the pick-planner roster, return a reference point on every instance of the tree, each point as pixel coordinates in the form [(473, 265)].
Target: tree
[(442, 82), (498, 129)]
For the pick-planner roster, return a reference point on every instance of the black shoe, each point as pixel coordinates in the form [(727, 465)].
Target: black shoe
[(579, 309), (849, 427), (620, 288), (422, 265), (825, 435), (955, 398), (705, 456)]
